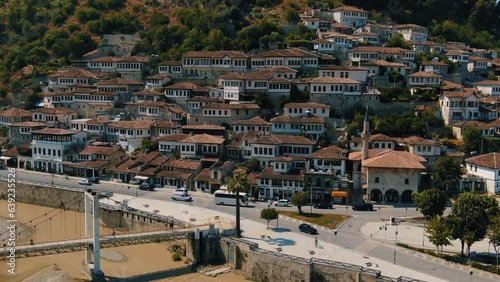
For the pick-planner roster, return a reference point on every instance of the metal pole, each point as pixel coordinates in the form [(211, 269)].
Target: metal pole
[(423, 235), (406, 213), (395, 244), (97, 248)]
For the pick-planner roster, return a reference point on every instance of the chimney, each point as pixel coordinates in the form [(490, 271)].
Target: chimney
[(365, 136)]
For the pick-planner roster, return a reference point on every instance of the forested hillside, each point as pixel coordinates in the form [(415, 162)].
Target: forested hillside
[(49, 33)]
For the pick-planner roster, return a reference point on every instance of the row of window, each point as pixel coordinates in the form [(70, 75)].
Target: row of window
[(377, 180), (47, 152), (177, 93)]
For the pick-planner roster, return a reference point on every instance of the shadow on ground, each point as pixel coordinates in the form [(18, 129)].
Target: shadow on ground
[(154, 275)]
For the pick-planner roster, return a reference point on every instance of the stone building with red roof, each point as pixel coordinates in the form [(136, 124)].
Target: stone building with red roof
[(487, 168)]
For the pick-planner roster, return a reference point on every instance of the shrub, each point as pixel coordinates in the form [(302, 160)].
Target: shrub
[(176, 256)]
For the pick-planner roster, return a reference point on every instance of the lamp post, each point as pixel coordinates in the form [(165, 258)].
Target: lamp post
[(385, 231), (395, 244), (406, 213), (311, 197)]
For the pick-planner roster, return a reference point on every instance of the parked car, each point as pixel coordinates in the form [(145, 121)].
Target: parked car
[(181, 196), (94, 180), (147, 186), (85, 182), (307, 229), (282, 203), (324, 205), (363, 207)]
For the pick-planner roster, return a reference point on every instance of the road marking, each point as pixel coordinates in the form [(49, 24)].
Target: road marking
[(367, 246)]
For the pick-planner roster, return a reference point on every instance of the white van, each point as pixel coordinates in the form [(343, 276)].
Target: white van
[(181, 196)]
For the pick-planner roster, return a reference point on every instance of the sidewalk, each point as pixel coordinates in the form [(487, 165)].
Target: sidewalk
[(278, 239)]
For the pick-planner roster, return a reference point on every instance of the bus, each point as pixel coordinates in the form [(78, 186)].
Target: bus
[(223, 197)]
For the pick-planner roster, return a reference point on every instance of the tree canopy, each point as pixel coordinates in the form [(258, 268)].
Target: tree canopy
[(300, 199), (269, 214), (438, 233), (238, 182), (431, 202), (447, 171)]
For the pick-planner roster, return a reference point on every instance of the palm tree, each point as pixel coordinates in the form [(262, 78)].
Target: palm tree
[(237, 183)]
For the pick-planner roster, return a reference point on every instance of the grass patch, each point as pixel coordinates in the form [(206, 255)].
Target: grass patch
[(322, 219)]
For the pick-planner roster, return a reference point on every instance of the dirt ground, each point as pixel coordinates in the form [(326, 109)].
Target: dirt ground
[(148, 262)]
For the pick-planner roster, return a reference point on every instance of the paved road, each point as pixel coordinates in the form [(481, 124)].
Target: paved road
[(349, 234)]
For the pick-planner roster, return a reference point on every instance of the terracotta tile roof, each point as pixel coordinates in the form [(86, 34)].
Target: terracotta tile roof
[(171, 63), (381, 137), (204, 175), (294, 175), (239, 106), (424, 74), (89, 164), (339, 25), (426, 43), (173, 174), (289, 158), (12, 152), (99, 150), (173, 137), (491, 160), (306, 105), (54, 111), (140, 59), (14, 112), (349, 9), (284, 53), (214, 54), (147, 103), (342, 67), (183, 86), (158, 161), (203, 138), (71, 73), (28, 124), (54, 131), (58, 93), (432, 63), (233, 75), (471, 123), (332, 80), (252, 178), (384, 63), (395, 159), (104, 59), (474, 58), (175, 109), (402, 26), (120, 81), (456, 52), (253, 121), (466, 92), (416, 140), (276, 139), (99, 120), (183, 164), (455, 154), (145, 158), (365, 33), (305, 120), (449, 85), (205, 99), (203, 127), (130, 124), (165, 124), (357, 155), (279, 79), (147, 92), (487, 82), (332, 153), (379, 49), (236, 140), (332, 34)]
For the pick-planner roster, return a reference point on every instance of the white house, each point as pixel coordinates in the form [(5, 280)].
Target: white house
[(356, 73), (209, 64), (270, 146), (294, 58), (459, 106), (350, 16), (488, 87), (413, 32), (424, 79), (129, 134), (254, 124), (486, 167), (198, 146), (52, 146), (307, 109), (14, 115), (308, 126), (63, 80)]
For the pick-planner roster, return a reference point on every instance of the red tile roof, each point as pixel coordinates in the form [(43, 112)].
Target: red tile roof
[(54, 131), (332, 80), (301, 120), (183, 86), (491, 160), (487, 82), (147, 92), (395, 159), (239, 106), (276, 139), (183, 164), (293, 175), (173, 137), (253, 121), (203, 127), (14, 112), (74, 73), (290, 52), (99, 150), (130, 124), (416, 140), (54, 111), (173, 174), (28, 124), (203, 138), (332, 153), (306, 105), (120, 81), (424, 74), (214, 54)]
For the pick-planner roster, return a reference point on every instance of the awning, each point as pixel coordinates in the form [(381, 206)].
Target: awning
[(342, 194), (139, 177), (5, 158)]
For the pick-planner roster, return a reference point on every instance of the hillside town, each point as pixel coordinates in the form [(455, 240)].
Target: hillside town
[(196, 120)]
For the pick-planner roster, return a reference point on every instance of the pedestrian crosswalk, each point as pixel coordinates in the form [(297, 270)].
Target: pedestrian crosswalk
[(367, 246)]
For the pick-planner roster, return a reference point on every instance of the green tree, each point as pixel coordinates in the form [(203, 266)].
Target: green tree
[(148, 145), (32, 100), (494, 235), (300, 199), (470, 217), (398, 41), (269, 214), (262, 99), (472, 138), (237, 183), (431, 202), (252, 164), (447, 171), (438, 233)]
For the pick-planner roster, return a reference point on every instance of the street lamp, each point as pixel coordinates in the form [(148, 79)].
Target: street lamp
[(395, 244), (311, 197), (406, 213)]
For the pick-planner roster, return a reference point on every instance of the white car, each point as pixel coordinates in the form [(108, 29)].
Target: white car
[(282, 203), (85, 182)]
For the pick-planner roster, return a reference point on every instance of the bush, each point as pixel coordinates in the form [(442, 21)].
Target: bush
[(176, 256)]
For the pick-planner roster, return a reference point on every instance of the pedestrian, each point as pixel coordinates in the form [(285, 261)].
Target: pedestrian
[(114, 233), (316, 242)]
